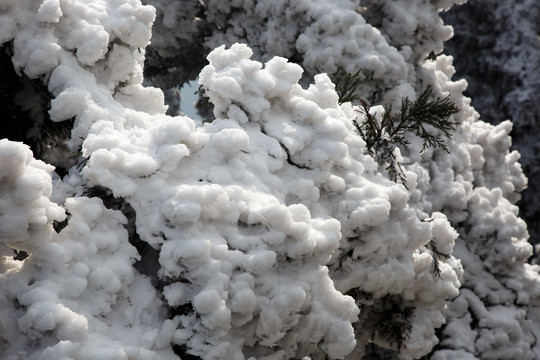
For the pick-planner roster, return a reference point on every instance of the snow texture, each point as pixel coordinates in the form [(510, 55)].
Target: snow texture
[(321, 36), (494, 248), (497, 50), (269, 232)]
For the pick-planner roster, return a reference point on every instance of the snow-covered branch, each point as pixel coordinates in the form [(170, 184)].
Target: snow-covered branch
[(267, 231)]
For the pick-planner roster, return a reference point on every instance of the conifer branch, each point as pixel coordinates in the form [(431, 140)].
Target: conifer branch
[(346, 87), (425, 118), (437, 255)]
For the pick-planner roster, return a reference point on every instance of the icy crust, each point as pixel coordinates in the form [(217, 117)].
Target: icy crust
[(77, 296), (327, 37), (276, 236), (321, 165), (494, 316), (383, 40), (498, 49), (413, 27), (105, 38), (241, 211), (322, 36), (84, 28), (244, 269), (26, 212)]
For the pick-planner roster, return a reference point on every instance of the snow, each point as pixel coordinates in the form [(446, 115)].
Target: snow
[(504, 46), (85, 292), (26, 211), (274, 234)]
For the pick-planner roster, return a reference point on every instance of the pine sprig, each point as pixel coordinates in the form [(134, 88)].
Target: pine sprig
[(346, 87), (417, 116), (425, 118), (437, 255), (391, 318)]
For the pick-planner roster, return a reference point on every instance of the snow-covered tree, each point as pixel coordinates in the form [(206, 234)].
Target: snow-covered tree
[(497, 50), (274, 229)]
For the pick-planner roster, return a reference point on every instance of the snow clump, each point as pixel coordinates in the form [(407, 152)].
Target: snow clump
[(268, 232)]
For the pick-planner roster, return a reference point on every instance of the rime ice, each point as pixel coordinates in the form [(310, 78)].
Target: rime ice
[(268, 232)]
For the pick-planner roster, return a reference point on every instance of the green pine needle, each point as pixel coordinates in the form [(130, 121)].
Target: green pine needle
[(425, 118)]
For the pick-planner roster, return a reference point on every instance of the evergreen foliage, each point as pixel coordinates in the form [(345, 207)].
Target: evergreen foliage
[(427, 119), (437, 255), (391, 318), (346, 87)]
